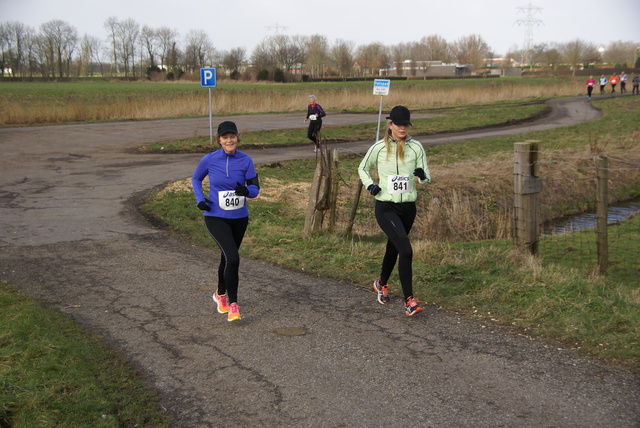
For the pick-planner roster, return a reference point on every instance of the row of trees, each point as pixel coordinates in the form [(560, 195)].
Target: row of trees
[(56, 50)]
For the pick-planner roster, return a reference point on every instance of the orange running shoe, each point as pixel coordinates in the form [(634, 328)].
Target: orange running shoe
[(221, 302), (234, 312), (383, 292), (411, 306)]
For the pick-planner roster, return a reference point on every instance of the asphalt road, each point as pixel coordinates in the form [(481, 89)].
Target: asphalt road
[(308, 351)]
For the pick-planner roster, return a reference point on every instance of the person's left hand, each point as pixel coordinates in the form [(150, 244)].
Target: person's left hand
[(241, 190), (419, 172)]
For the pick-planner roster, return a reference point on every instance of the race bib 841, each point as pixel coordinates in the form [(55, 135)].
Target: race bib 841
[(399, 184)]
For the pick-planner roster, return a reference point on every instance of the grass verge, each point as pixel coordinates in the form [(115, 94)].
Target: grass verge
[(547, 297), (451, 119), (53, 373)]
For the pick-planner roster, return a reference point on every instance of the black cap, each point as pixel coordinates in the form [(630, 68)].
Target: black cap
[(227, 126), (400, 115)]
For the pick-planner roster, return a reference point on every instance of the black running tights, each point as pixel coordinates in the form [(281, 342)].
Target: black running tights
[(314, 130), (396, 220), (228, 234)]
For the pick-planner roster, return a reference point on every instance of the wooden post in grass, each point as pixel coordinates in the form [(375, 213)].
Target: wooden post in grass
[(527, 186), (354, 208), (602, 208), (318, 195), (335, 178)]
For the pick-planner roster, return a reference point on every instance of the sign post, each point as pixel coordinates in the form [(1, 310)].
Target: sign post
[(208, 80), (380, 87)]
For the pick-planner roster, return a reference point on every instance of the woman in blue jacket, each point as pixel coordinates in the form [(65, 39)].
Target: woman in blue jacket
[(232, 179)]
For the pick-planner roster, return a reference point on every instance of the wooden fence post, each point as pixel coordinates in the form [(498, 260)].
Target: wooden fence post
[(335, 178), (318, 195), (602, 208), (354, 208), (527, 186)]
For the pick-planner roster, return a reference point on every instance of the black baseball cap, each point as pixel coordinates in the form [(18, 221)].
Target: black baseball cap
[(227, 126), (400, 115)]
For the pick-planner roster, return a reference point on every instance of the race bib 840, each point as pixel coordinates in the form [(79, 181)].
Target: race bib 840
[(228, 200)]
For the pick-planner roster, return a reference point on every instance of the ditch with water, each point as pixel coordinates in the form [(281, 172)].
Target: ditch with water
[(619, 212)]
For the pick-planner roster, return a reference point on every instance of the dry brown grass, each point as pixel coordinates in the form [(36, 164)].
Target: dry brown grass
[(272, 98)]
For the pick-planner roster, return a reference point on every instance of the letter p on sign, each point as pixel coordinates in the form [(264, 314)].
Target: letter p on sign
[(207, 77)]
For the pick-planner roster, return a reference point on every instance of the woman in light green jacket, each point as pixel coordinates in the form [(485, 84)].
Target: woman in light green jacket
[(398, 158)]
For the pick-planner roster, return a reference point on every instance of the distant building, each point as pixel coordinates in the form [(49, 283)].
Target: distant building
[(412, 68)]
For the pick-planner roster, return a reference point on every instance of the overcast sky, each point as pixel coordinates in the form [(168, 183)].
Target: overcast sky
[(245, 23)]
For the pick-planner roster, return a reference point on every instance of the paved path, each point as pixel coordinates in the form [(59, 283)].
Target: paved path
[(309, 351)]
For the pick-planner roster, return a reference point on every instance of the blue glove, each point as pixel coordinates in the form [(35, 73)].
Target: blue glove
[(374, 189)]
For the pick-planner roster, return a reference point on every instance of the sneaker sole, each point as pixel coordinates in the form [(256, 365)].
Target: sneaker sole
[(417, 311), (378, 298), (234, 319)]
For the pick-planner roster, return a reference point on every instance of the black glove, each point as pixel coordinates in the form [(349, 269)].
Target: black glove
[(419, 172), (241, 190), (203, 205), (374, 189)]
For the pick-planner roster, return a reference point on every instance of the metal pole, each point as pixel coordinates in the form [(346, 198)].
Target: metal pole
[(210, 120), (379, 118)]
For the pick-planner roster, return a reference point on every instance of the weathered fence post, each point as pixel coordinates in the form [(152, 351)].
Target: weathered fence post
[(335, 178), (527, 186), (602, 208), (318, 196), (354, 208)]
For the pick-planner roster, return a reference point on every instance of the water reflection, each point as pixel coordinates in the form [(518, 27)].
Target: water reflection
[(622, 211)]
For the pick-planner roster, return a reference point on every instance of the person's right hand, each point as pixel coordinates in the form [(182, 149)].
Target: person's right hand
[(204, 206), (374, 189)]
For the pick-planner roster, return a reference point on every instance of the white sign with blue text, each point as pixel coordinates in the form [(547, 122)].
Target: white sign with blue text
[(381, 86), (208, 77)]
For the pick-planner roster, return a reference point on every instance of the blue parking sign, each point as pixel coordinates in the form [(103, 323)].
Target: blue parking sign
[(208, 77)]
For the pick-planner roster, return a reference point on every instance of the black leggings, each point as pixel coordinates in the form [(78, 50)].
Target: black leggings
[(314, 130), (396, 220), (228, 234)]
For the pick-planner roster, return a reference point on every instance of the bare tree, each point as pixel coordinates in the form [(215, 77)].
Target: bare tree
[(576, 53), (128, 33), (166, 38), (13, 40), (342, 56), (471, 50), (261, 57), (149, 39), (60, 41), (373, 57), (317, 54), (233, 59), (436, 48), (400, 53), (286, 51), (111, 25), (91, 52), (199, 50), (620, 52)]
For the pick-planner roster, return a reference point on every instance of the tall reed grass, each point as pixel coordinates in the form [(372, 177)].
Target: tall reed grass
[(146, 102)]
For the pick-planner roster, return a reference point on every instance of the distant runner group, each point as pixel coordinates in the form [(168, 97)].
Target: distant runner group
[(613, 81)]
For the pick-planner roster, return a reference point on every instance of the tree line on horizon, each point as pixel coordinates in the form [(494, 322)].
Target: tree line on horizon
[(56, 50)]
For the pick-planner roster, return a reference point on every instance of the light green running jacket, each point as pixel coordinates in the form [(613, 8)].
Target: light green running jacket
[(396, 178)]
